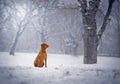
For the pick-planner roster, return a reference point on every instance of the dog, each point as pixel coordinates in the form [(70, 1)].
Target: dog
[(41, 58)]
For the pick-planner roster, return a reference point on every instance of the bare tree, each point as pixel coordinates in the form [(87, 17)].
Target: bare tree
[(21, 20), (70, 42), (91, 37), (43, 5), (4, 17)]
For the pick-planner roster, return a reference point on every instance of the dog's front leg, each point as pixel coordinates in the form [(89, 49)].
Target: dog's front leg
[(46, 62)]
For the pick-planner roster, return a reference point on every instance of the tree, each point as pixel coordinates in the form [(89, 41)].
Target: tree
[(70, 42), (91, 37), (4, 17), (44, 33), (23, 16)]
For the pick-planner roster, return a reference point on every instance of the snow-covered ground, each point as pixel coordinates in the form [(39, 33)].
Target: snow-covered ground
[(62, 69)]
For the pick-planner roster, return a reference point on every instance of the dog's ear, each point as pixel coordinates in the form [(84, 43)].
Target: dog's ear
[(42, 45)]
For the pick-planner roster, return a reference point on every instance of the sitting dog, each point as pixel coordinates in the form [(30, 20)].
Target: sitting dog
[(41, 58)]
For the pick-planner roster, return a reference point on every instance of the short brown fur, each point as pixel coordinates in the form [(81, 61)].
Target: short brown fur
[(41, 58)]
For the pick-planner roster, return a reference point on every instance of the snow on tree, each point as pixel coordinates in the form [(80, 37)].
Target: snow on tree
[(91, 37)]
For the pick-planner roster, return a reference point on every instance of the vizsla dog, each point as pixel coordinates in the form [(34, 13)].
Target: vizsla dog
[(41, 58)]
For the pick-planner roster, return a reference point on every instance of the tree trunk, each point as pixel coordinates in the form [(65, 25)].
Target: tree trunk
[(89, 9), (90, 49), (12, 50), (43, 39), (75, 47), (90, 39)]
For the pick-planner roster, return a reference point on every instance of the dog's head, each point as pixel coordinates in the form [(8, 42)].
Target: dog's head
[(44, 45)]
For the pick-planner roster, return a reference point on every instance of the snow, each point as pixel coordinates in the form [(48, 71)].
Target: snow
[(62, 69), (88, 4), (86, 13), (89, 27)]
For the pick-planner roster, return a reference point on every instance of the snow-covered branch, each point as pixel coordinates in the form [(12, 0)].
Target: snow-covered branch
[(105, 21)]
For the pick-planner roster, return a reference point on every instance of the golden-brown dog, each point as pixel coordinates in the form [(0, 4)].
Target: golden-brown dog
[(41, 58)]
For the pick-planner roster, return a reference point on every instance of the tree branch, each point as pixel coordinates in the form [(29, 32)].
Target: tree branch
[(83, 4), (105, 21), (118, 1)]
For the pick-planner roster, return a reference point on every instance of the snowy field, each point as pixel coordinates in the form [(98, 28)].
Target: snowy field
[(62, 69)]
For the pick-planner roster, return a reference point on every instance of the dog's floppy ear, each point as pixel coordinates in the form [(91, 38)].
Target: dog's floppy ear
[(42, 44)]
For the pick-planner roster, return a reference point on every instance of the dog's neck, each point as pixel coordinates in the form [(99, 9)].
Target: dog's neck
[(43, 50)]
